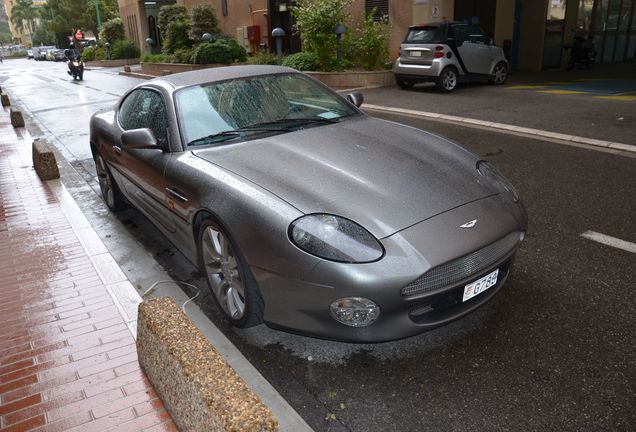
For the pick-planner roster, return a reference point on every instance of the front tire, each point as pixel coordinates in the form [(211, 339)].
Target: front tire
[(229, 277), (499, 74), (111, 194), (447, 80)]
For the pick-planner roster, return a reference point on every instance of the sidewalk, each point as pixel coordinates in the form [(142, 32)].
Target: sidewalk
[(68, 359)]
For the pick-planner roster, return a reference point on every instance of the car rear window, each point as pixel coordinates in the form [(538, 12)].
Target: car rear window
[(424, 34)]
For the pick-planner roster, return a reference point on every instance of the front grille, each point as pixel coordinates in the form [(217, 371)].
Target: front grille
[(454, 271)]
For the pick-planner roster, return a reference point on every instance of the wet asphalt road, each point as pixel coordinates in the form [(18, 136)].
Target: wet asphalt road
[(555, 351)]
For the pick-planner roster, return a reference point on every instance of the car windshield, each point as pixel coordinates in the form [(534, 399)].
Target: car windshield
[(247, 107), (424, 34)]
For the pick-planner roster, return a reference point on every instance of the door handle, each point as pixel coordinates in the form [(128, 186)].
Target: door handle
[(177, 194), (117, 149)]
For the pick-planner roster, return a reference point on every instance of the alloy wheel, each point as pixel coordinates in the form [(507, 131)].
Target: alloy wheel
[(449, 80), (500, 74), (105, 181), (223, 272)]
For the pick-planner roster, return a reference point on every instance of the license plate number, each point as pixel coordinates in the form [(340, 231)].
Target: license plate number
[(481, 285), (416, 53)]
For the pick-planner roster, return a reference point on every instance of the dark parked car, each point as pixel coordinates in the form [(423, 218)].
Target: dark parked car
[(302, 211)]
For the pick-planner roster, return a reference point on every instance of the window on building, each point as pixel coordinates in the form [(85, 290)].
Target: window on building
[(381, 9)]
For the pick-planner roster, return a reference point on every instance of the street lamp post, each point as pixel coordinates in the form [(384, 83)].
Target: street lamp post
[(279, 33), (99, 18), (339, 30)]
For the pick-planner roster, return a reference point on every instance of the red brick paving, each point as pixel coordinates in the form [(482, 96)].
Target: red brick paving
[(67, 359)]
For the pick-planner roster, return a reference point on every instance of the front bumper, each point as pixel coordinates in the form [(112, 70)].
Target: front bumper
[(303, 305)]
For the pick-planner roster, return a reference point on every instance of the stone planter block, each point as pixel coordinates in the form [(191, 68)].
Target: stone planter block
[(5, 100), (44, 161), (199, 388), (16, 118)]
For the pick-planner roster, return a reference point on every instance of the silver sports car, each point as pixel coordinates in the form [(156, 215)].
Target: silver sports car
[(302, 211)]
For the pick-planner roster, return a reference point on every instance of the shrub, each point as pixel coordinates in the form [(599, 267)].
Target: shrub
[(123, 49), (212, 52), (178, 36), (203, 21), (88, 54), (169, 14), (155, 58), (302, 61), (237, 51), (315, 21), (112, 31), (370, 42), (263, 58), (183, 55)]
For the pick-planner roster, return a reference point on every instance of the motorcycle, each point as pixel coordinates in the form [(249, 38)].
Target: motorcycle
[(582, 51), (76, 68)]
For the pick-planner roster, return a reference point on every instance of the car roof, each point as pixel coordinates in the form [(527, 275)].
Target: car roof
[(203, 76), (439, 24)]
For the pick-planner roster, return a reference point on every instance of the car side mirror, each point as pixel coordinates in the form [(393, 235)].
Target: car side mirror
[(355, 98), (139, 139)]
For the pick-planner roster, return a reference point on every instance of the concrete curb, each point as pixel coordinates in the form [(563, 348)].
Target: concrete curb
[(136, 75), (502, 127)]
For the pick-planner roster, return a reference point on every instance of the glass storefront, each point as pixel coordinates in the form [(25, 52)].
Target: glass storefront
[(611, 24)]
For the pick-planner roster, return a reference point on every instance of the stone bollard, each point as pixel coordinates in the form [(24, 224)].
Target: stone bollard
[(126, 68), (5, 100), (16, 118), (44, 161), (199, 388)]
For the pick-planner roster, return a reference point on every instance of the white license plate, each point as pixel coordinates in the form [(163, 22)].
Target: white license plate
[(481, 285), (416, 53)]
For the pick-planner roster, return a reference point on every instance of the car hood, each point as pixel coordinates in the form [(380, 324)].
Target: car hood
[(382, 175)]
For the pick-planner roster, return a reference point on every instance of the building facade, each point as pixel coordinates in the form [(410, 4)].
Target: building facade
[(533, 33)]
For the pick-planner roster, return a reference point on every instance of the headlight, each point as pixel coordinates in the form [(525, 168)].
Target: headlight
[(75, 64), (488, 171), (335, 238)]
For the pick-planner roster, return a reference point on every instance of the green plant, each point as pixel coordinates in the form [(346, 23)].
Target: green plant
[(263, 58), (302, 61), (169, 14), (237, 51), (315, 21), (124, 49), (212, 52), (183, 55), (203, 21), (369, 44), (88, 54), (155, 58), (178, 36), (112, 31)]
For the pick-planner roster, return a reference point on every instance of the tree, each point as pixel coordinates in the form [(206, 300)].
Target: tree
[(64, 17), (112, 30), (23, 13), (169, 14), (315, 21), (204, 21)]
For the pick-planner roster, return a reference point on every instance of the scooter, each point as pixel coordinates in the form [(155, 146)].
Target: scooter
[(582, 51), (76, 69)]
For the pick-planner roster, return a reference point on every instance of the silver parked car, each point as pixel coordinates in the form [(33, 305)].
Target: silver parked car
[(447, 53), (302, 211)]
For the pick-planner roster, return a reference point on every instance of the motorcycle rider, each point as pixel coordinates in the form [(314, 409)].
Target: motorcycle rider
[(71, 54)]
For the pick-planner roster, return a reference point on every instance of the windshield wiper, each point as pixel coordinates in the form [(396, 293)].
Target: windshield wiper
[(288, 120), (234, 133)]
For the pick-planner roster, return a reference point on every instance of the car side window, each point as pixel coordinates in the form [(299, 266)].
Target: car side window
[(145, 108), (126, 115), (476, 35)]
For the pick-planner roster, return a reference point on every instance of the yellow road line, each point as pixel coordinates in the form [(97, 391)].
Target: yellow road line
[(562, 92), (619, 98), (526, 87)]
